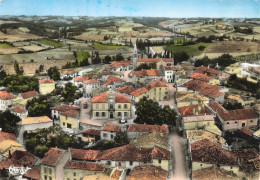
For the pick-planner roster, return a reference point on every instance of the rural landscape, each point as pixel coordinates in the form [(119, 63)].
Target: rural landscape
[(129, 97)]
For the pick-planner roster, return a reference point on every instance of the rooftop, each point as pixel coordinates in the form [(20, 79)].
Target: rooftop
[(201, 77), (18, 110), (155, 60), (248, 154), (90, 81), (173, 68), (192, 110), (111, 79), (210, 152), (71, 113), (52, 157), (84, 165), (9, 145), (238, 114), (6, 136), (197, 135), (208, 71), (64, 108), (147, 172), (6, 96), (80, 79), (102, 98), (33, 173), (94, 132), (83, 154), (111, 128), (117, 64), (147, 72), (152, 139), (34, 120), (185, 96), (44, 81), (126, 89), (147, 128), (29, 94)]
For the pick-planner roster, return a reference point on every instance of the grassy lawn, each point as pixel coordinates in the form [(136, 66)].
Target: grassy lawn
[(80, 55), (2, 46), (191, 50), (102, 46), (51, 42)]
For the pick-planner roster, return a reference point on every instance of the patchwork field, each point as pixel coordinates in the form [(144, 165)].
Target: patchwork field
[(17, 36), (102, 46), (50, 42), (8, 49)]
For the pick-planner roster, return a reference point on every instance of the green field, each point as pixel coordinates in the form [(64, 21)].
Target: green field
[(51, 42), (191, 50), (2, 46), (102, 46), (80, 55)]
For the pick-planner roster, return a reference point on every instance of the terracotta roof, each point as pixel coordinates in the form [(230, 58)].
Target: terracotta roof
[(213, 173), (111, 79), (147, 172), (147, 128), (90, 81), (94, 132), (200, 76), (80, 79), (204, 88), (116, 174), (29, 94), (71, 113), (248, 154), (197, 135), (209, 152), (18, 159), (185, 96), (33, 120), (237, 98), (43, 81), (167, 59), (208, 71), (64, 108), (155, 83), (155, 60), (84, 165), (191, 110), (117, 64), (246, 131), (238, 114), (111, 128), (126, 89), (6, 136), (131, 153), (147, 72), (9, 145), (102, 98), (52, 157), (119, 98), (171, 68), (83, 154), (18, 110), (107, 73), (33, 173), (6, 96)]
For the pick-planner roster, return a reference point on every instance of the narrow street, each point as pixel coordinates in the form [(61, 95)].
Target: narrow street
[(178, 166), (171, 101), (126, 76)]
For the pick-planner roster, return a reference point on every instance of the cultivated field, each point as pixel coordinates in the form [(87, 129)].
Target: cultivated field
[(17, 35)]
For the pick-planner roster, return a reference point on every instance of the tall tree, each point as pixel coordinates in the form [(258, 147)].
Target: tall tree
[(54, 73), (107, 59), (69, 92), (8, 121)]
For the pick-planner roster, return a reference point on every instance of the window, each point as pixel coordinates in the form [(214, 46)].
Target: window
[(131, 163), (119, 106), (200, 164), (125, 106), (251, 121), (236, 122), (50, 178), (50, 170), (125, 114), (68, 125), (227, 122), (63, 124), (104, 135), (119, 114), (103, 114), (97, 114), (119, 164), (159, 161), (108, 163), (45, 170), (45, 177), (111, 136), (75, 174)]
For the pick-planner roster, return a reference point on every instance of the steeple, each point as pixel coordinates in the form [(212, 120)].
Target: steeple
[(135, 55)]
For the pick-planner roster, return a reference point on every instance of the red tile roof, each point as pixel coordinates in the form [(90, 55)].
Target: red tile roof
[(155, 60), (200, 76), (119, 98), (111, 128), (94, 132), (246, 131), (126, 89), (204, 88), (83, 154), (18, 159), (188, 110), (149, 86), (238, 114), (167, 59), (248, 154), (29, 94), (102, 98), (18, 110), (33, 173), (207, 71), (131, 153), (80, 79), (111, 79), (147, 128), (6, 136), (209, 152), (117, 64), (90, 81), (64, 108), (107, 73), (147, 172), (52, 157), (6, 96), (173, 68), (43, 81), (116, 174), (147, 72), (84, 165), (71, 113)]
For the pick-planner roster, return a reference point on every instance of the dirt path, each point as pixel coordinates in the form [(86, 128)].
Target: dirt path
[(179, 157)]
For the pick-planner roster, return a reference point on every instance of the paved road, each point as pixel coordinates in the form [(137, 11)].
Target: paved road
[(179, 158), (126, 76), (171, 100)]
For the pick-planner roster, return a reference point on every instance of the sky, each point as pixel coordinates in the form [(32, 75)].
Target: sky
[(150, 8)]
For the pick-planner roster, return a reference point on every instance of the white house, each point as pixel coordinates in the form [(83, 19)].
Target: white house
[(109, 132), (5, 100), (19, 112), (90, 85), (57, 110)]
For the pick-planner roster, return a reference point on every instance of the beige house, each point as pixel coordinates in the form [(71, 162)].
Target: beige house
[(185, 98), (52, 164), (69, 120), (33, 123), (46, 86), (111, 105)]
